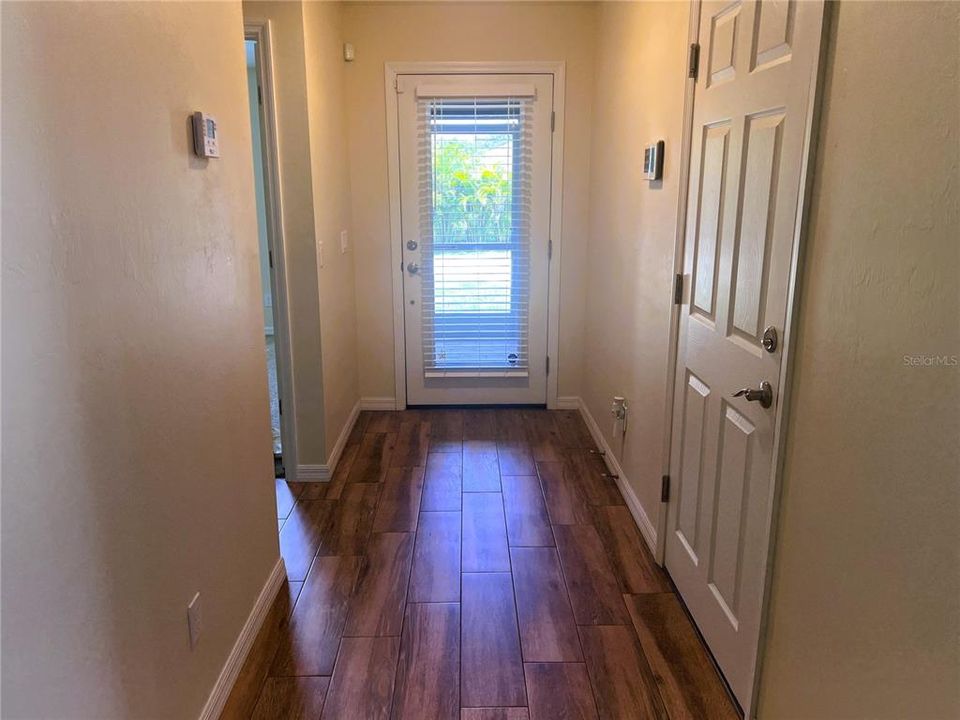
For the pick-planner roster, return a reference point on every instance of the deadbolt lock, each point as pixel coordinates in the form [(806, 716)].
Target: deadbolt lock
[(770, 340)]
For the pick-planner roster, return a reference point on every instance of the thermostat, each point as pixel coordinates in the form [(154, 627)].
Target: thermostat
[(653, 161), (205, 143)]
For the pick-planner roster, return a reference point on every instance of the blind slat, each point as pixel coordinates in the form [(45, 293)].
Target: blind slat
[(474, 156)]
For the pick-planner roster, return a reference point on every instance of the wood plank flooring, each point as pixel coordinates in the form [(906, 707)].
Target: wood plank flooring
[(472, 564)]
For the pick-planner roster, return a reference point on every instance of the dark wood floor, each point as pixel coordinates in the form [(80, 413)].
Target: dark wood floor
[(473, 564)]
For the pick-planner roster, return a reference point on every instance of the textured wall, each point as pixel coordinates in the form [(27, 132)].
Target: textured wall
[(639, 86), (136, 435), (323, 43), (864, 619)]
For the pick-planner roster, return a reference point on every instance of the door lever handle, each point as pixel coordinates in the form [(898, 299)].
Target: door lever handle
[(762, 395)]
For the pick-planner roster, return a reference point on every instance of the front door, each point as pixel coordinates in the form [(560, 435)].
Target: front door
[(475, 157), (751, 121)]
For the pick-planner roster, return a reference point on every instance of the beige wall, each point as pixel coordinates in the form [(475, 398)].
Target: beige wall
[(136, 437), (331, 207), (866, 588), (299, 231), (385, 32), (638, 99)]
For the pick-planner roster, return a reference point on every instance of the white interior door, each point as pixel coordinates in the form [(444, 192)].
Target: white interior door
[(750, 135), (475, 164)]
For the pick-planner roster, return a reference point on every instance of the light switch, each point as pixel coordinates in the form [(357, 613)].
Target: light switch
[(344, 241)]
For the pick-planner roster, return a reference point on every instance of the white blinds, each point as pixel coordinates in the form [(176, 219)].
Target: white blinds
[(474, 176)]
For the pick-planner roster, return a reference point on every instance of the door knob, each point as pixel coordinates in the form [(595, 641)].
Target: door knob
[(413, 268), (762, 395)]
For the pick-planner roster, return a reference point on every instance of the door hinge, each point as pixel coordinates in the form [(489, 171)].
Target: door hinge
[(678, 289), (259, 94), (548, 364), (553, 120), (665, 489), (693, 69), (280, 406), (270, 257), (550, 249)]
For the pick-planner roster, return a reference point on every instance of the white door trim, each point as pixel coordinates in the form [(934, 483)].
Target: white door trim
[(558, 70), (259, 30), (789, 332), (686, 141)]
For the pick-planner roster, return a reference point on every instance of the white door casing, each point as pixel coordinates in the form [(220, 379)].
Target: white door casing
[(751, 133), (426, 385)]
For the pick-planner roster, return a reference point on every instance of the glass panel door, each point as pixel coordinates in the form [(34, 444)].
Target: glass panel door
[(475, 198)]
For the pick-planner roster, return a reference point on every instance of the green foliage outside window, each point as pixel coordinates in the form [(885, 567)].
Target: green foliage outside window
[(472, 189)]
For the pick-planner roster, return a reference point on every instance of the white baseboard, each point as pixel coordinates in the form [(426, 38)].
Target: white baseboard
[(238, 655), (568, 402), (640, 517), (378, 403), (341, 442), (323, 473)]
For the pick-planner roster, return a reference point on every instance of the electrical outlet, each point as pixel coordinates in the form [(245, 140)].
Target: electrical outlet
[(344, 241), (195, 620)]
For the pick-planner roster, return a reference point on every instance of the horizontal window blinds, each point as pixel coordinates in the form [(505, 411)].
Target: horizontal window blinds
[(474, 175)]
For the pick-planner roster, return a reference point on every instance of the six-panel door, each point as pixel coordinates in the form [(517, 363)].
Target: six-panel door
[(751, 117)]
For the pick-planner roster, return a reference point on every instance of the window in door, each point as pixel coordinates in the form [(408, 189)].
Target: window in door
[(474, 156), (474, 162)]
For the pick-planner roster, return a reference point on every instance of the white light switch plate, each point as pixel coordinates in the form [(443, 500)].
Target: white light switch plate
[(344, 241)]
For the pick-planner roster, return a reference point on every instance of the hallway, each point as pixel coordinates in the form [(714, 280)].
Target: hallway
[(467, 559)]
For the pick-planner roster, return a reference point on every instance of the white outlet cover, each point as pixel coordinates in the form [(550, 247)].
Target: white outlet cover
[(195, 620)]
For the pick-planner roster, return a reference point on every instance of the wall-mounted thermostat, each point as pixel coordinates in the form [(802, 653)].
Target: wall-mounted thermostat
[(205, 143), (653, 161)]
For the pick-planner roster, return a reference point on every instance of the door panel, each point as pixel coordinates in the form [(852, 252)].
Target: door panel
[(724, 28), (761, 148), (707, 246), (736, 435), (694, 433), (475, 165), (750, 125), (773, 33)]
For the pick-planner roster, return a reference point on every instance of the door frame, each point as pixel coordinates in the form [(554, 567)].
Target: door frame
[(259, 29), (558, 70), (782, 414)]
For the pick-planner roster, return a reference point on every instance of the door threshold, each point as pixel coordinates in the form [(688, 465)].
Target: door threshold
[(481, 406)]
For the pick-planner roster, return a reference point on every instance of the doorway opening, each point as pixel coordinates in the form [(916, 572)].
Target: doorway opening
[(269, 232)]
